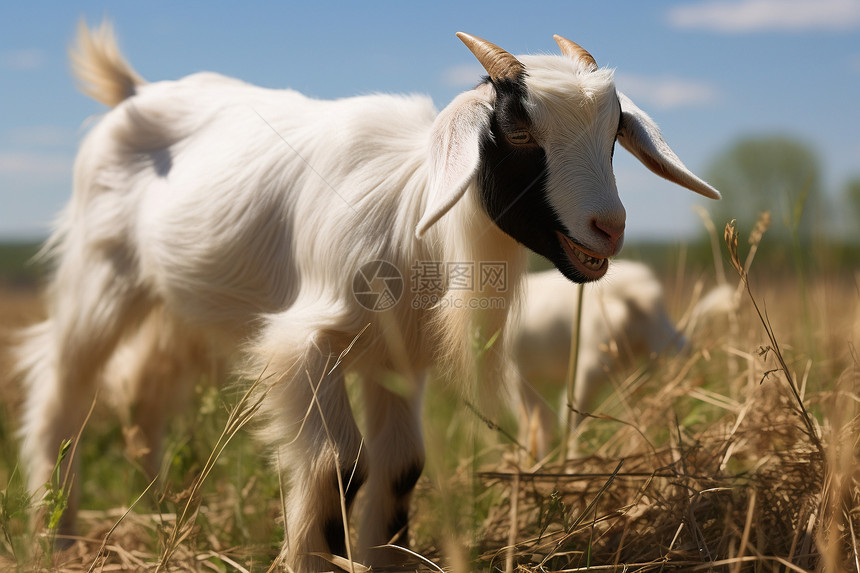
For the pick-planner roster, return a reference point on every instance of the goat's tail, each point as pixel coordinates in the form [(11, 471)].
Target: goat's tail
[(101, 70)]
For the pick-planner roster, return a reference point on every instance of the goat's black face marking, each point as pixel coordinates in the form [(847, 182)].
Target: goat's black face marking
[(513, 179)]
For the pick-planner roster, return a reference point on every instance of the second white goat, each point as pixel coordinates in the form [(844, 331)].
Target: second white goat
[(624, 318)]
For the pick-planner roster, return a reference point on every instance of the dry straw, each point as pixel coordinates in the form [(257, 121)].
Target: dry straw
[(765, 479)]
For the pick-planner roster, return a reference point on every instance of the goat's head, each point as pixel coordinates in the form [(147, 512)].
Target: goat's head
[(538, 136)]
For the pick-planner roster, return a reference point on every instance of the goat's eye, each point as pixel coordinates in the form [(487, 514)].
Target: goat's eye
[(520, 137)]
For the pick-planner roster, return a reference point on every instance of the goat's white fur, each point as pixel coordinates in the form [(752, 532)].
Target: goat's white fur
[(214, 219), (624, 318), (581, 186)]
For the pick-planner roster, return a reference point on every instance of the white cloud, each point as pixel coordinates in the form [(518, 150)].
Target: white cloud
[(463, 76), (22, 60), (739, 16), (667, 92)]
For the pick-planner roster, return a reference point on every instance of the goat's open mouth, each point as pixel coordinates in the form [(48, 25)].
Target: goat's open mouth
[(590, 266)]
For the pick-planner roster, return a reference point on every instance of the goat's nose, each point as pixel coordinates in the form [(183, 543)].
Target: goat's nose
[(612, 229)]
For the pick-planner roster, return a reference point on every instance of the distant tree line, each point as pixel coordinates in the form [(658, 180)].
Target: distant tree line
[(782, 174)]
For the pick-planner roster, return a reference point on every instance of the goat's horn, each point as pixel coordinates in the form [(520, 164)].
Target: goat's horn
[(498, 63), (575, 52)]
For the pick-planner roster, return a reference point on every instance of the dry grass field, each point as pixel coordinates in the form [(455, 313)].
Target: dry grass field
[(740, 455)]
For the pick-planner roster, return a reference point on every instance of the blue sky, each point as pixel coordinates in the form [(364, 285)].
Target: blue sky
[(708, 71)]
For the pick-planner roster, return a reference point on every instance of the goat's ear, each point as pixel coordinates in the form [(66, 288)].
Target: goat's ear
[(640, 136), (455, 151)]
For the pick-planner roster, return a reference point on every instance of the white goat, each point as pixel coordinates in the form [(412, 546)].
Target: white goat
[(623, 318), (234, 218)]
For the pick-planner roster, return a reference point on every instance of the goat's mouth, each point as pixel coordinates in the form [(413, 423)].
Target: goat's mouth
[(590, 266)]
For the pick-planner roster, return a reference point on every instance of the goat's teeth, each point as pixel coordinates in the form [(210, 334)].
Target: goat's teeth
[(589, 261)]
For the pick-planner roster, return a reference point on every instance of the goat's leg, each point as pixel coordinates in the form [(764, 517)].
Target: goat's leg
[(308, 418), (152, 376), (396, 449), (60, 359)]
